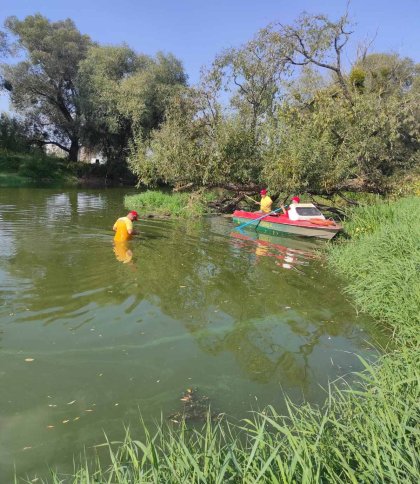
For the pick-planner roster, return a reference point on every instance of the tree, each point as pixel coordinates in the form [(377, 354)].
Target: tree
[(99, 80), (200, 144), (194, 149), (384, 73), (296, 134), (3, 44), (252, 74), (43, 86), (124, 93), (328, 145), (13, 133), (314, 40)]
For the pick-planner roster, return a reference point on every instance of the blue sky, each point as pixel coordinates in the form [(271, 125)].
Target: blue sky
[(196, 30)]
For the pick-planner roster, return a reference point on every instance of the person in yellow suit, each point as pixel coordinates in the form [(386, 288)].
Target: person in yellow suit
[(265, 203), (123, 227), (122, 252)]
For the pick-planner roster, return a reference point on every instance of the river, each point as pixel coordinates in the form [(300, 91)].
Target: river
[(92, 336)]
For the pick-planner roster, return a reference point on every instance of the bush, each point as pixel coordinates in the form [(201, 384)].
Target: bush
[(169, 204), (39, 168)]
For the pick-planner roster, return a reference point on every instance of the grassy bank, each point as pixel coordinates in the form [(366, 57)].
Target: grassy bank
[(35, 168), (368, 433), (161, 204), (29, 169), (382, 261)]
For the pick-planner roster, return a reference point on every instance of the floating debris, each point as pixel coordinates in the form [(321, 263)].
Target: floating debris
[(195, 407), (65, 421), (29, 360), (71, 403)]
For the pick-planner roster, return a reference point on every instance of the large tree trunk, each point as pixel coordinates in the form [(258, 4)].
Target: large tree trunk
[(74, 149)]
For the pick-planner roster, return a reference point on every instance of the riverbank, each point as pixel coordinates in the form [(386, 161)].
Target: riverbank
[(36, 169), (368, 433)]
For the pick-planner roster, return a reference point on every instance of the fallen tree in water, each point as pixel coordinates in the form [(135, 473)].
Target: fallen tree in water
[(190, 204)]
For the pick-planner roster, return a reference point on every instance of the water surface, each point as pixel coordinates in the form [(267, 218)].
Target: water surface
[(91, 335)]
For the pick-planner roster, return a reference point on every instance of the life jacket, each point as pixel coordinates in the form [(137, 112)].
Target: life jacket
[(321, 222)]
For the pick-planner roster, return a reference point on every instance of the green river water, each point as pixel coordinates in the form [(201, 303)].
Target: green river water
[(90, 338)]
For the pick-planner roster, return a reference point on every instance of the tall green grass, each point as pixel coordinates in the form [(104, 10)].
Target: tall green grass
[(366, 433), (184, 205), (382, 263)]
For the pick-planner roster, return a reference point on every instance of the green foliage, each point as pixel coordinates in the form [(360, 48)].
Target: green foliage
[(382, 262), (3, 44), (331, 145), (252, 75), (385, 73), (20, 169), (40, 168), (13, 134), (72, 91), (357, 78), (123, 92), (309, 135), (191, 149), (42, 87), (184, 205)]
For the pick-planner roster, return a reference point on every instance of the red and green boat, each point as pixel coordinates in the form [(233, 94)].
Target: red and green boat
[(302, 219)]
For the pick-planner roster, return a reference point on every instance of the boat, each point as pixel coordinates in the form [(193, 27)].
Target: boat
[(303, 219)]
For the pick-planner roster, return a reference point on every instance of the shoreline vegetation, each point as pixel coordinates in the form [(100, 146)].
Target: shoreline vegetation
[(157, 203), (367, 432), (35, 168)]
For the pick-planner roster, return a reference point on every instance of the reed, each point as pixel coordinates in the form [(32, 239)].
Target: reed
[(381, 263)]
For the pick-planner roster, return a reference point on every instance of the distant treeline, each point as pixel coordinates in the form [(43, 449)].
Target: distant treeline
[(279, 111)]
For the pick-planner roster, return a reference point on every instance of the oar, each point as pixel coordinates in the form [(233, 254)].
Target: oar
[(256, 219), (251, 199)]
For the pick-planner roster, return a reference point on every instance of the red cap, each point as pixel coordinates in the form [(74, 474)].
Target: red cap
[(134, 214), (296, 199), (263, 192)]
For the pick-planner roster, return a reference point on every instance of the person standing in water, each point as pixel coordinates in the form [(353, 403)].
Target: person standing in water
[(123, 227)]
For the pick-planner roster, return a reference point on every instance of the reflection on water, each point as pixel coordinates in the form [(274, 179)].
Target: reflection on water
[(91, 332), (122, 252), (287, 256)]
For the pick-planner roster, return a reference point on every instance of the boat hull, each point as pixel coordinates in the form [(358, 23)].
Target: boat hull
[(283, 225)]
